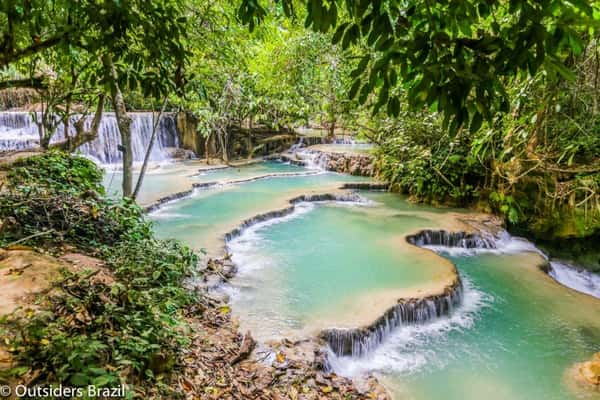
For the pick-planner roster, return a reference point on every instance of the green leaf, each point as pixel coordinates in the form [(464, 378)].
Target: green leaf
[(476, 123), (79, 379), (362, 65), (337, 36), (354, 89)]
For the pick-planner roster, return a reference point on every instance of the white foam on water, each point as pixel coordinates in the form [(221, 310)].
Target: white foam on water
[(245, 248), (407, 350), (505, 243), (575, 278), (169, 215)]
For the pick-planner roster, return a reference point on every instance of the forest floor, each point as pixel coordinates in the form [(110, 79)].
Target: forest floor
[(220, 363)]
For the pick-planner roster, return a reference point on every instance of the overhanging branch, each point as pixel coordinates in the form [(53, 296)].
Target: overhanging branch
[(7, 58)]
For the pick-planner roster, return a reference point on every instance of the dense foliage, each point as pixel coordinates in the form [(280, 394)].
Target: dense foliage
[(493, 104), (55, 197), (55, 172), (538, 165), (121, 323), (451, 56)]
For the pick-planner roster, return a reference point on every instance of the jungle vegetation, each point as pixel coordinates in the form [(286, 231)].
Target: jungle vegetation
[(473, 103)]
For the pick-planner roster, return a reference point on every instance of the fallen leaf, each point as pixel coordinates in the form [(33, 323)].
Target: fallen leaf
[(327, 389), (280, 357)]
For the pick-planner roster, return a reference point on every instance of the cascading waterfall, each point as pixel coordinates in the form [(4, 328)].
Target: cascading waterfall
[(452, 239), (564, 273), (313, 159), (359, 342), (415, 311), (297, 146), (18, 131)]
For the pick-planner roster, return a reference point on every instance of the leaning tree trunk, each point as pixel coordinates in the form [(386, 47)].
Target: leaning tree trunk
[(207, 149), (155, 124), (249, 146), (331, 133), (123, 122)]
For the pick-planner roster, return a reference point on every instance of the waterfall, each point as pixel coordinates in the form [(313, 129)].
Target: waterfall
[(297, 146), (18, 131), (361, 341), (313, 159), (452, 239)]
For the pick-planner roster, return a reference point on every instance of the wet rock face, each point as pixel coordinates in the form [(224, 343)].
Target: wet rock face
[(366, 186), (180, 154), (162, 201), (347, 163)]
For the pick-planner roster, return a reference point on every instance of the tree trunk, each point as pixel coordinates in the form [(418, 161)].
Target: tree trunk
[(331, 134), (82, 136), (123, 122), (249, 146), (138, 185), (223, 139), (207, 149)]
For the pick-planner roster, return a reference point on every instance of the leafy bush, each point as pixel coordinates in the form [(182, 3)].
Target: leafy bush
[(120, 324), (87, 222), (57, 172), (59, 194), (428, 164), (102, 333)]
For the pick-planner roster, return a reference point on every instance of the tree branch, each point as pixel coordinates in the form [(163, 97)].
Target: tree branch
[(7, 58), (82, 136)]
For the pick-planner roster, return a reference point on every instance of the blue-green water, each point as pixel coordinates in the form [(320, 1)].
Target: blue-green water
[(203, 219), (514, 337), (176, 177), (320, 267), (257, 169)]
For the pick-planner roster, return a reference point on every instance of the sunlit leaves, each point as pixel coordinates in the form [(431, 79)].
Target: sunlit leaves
[(447, 50)]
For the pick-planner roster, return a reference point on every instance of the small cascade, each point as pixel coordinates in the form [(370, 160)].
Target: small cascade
[(313, 159), (359, 342), (575, 278), (18, 131), (452, 239), (345, 140), (297, 146)]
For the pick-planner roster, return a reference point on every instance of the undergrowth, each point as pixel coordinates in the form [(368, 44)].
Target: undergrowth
[(120, 324)]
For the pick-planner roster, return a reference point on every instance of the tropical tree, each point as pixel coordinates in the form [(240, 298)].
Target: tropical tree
[(455, 56), (138, 45)]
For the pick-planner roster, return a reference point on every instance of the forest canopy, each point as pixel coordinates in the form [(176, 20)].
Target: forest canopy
[(493, 104)]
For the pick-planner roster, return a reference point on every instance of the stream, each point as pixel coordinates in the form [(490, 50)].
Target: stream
[(339, 264)]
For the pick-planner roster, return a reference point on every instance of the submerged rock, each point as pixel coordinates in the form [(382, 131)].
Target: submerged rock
[(589, 371)]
